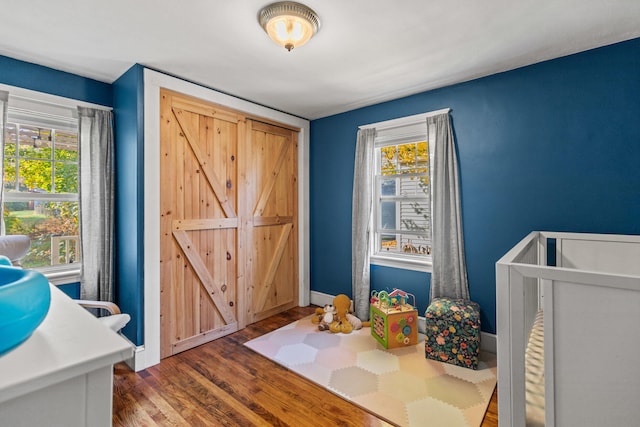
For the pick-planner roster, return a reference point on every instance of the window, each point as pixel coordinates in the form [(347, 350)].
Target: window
[(402, 195), (41, 182), (402, 208)]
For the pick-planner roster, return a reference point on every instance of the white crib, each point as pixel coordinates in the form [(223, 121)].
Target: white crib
[(591, 305)]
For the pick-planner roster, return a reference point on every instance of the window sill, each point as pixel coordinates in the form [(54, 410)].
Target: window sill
[(61, 275), (401, 262)]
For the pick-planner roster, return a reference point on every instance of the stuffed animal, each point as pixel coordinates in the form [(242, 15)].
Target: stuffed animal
[(344, 321), (354, 321), (324, 317), (318, 315)]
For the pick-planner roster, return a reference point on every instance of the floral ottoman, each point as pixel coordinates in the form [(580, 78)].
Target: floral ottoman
[(453, 332)]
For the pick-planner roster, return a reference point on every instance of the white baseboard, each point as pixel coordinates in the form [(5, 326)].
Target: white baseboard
[(137, 361), (320, 299), (487, 340)]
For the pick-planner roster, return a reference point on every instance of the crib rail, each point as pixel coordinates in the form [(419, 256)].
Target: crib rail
[(590, 299)]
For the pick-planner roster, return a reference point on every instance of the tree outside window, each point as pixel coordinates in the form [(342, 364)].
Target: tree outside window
[(403, 211), (41, 191)]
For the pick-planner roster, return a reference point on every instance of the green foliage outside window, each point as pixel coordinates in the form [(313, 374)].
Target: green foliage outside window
[(411, 161), (43, 172)]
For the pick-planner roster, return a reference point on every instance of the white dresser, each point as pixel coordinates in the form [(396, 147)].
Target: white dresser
[(63, 374)]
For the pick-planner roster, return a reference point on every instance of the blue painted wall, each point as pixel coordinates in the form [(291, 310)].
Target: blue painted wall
[(71, 289), (552, 146), (43, 79), (128, 96)]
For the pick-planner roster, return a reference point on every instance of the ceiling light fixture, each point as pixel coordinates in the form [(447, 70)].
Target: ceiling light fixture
[(288, 23)]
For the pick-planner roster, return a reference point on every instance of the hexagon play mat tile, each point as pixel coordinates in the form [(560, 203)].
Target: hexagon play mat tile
[(400, 386)]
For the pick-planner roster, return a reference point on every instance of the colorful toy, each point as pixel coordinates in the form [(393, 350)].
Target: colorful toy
[(398, 298), (394, 322)]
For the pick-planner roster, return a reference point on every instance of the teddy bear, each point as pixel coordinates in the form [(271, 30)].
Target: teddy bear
[(324, 316), (344, 321)]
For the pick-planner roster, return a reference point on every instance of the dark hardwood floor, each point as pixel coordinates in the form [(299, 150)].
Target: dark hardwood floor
[(223, 383)]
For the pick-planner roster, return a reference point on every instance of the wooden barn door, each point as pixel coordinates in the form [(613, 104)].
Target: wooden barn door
[(272, 231), (201, 290), (229, 221)]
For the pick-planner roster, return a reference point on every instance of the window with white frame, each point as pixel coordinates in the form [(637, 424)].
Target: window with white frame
[(402, 195), (41, 182)]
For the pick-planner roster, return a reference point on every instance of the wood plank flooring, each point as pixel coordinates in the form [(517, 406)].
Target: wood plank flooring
[(223, 383)]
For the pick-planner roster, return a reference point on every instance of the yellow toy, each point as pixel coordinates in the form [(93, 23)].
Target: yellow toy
[(324, 317), (318, 315), (344, 321)]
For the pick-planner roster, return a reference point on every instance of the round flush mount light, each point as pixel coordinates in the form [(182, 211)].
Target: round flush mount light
[(288, 23)]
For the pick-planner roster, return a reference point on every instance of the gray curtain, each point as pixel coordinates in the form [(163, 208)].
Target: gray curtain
[(449, 276), (362, 222), (4, 100), (96, 153)]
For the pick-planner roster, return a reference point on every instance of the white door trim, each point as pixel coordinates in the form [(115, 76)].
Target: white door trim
[(153, 81)]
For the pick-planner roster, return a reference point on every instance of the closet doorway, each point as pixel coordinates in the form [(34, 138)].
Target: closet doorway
[(228, 221)]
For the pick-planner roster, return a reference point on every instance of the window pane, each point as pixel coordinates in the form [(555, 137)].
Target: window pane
[(388, 187), (406, 156), (415, 245), (66, 177), (413, 186), (52, 227), (388, 216), (388, 160), (388, 242), (414, 216), (66, 145), (35, 175), (411, 158), (34, 142)]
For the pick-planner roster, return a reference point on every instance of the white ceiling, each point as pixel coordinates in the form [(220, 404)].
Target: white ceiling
[(367, 51)]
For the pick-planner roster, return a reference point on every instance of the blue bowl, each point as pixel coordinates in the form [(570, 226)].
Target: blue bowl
[(24, 302)]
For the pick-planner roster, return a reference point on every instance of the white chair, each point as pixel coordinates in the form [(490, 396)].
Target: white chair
[(116, 320)]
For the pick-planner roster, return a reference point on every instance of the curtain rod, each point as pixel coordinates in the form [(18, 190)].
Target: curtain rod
[(401, 121)]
